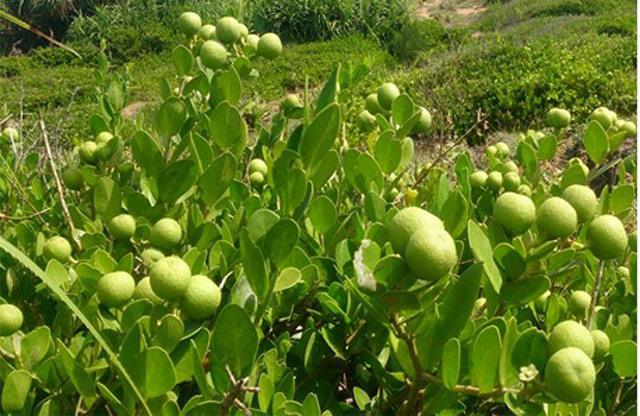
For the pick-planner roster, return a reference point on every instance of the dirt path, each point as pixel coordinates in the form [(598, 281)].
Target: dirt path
[(451, 12)]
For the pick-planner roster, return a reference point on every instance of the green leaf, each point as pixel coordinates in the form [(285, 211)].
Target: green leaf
[(330, 90), (34, 346), (324, 169), (227, 86), (625, 358), (407, 152), (15, 390), (485, 358), (107, 198), (451, 363), (217, 178), (227, 127), (621, 198), (266, 391), (509, 259), (402, 109), (311, 405), (114, 403), (320, 135), (235, 340), (176, 179), (261, 222), (397, 301), (519, 292), (388, 152), (361, 398), (281, 239), (573, 175), (170, 117), (198, 370), (530, 348), (595, 142), (182, 60), (527, 157), (287, 278), (168, 333), (253, 264), (481, 248), (547, 147), (322, 213), (160, 375), (78, 375), (454, 213)]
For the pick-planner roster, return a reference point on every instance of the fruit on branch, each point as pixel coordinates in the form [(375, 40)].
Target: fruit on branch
[(201, 299), (570, 375), (122, 227), (557, 218), (571, 334), (11, 319), (606, 237), (57, 248), (583, 200), (166, 234), (514, 212), (115, 289), (408, 221), (169, 278)]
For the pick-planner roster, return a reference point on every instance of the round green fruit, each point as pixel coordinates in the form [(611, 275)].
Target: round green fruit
[(511, 181), (291, 101), (366, 121), (228, 30), (478, 179), (583, 200), (510, 166), (269, 46), (629, 128), (104, 137), (104, 151), (115, 289), (502, 149), (189, 23), (408, 221), (10, 319), (122, 227), (570, 375), (201, 299), (73, 178), (213, 54), (144, 291), (57, 248), (491, 151), (170, 278), (87, 151), (579, 303), (606, 237), (623, 271), (557, 218), (251, 45), (372, 105), (603, 116), (244, 31), (515, 213), (424, 122), (258, 165), (11, 134), (256, 178), (431, 253), (150, 256), (558, 118), (570, 334), (524, 190), (601, 343), (387, 93), (494, 181), (166, 234), (207, 32)]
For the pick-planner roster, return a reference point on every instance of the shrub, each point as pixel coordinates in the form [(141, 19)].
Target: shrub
[(423, 35)]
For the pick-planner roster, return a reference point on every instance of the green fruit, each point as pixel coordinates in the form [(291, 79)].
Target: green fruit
[(170, 278), (623, 271), (629, 128), (73, 178), (515, 213), (122, 227), (207, 32), (291, 101), (524, 190), (115, 289), (244, 30), (557, 218), (228, 30), (87, 151), (104, 137), (570, 334), (603, 116), (431, 253), (424, 123), (491, 150), (144, 291), (269, 46), (494, 181), (11, 134), (386, 94), (510, 166), (10, 319), (104, 151), (408, 221), (201, 299), (502, 149), (150, 256), (601, 343), (57, 248), (633, 241), (570, 375), (166, 234), (372, 105), (189, 23), (478, 179), (541, 301), (256, 178), (558, 118), (511, 181), (213, 54), (583, 200), (606, 237), (252, 43), (366, 121), (579, 303), (258, 165)]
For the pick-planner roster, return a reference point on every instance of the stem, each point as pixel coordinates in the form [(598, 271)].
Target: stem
[(5, 217), (616, 399), (410, 404), (596, 292)]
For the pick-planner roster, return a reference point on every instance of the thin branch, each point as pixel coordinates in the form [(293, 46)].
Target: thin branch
[(595, 293), (469, 390), (5, 217), (65, 210)]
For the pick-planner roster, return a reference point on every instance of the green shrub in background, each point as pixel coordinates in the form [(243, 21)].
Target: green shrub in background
[(422, 35)]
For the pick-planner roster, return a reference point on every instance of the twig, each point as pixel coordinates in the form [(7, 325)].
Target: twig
[(5, 217), (594, 294), (414, 384), (616, 399), (237, 390), (469, 390), (65, 210)]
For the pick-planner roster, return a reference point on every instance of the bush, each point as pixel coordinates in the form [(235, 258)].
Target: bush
[(423, 35)]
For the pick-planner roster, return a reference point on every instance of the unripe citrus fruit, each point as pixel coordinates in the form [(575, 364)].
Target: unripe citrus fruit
[(166, 234), (104, 151), (150, 256), (170, 277), (366, 121), (258, 165), (633, 241), (372, 105), (10, 319), (431, 253), (87, 151), (515, 212), (73, 178), (244, 30), (601, 343), (623, 271), (558, 118), (256, 178), (583, 200), (269, 46), (424, 122), (144, 291), (115, 289), (213, 54), (122, 227), (228, 30), (502, 148), (411, 194), (408, 221), (494, 181), (11, 134), (629, 128), (557, 218), (491, 150), (207, 32), (603, 116), (291, 101), (509, 166), (189, 23), (606, 237), (57, 248), (579, 303), (104, 137), (570, 334), (252, 43), (478, 179), (570, 375), (511, 181), (386, 94), (201, 299), (524, 190)]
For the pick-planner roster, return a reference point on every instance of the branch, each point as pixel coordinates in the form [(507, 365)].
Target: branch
[(237, 390), (5, 217), (594, 295), (65, 210), (469, 390)]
